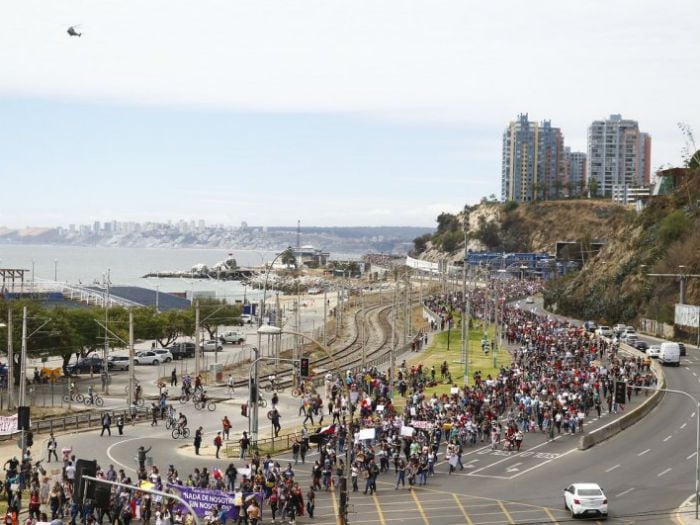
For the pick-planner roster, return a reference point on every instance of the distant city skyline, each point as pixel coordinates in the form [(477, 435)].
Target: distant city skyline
[(329, 112)]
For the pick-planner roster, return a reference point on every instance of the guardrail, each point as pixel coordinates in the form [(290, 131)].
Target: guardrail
[(232, 448)]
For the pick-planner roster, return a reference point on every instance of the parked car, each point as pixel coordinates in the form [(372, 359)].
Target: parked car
[(165, 355), (629, 331), (586, 499), (653, 351), (640, 345), (147, 357), (211, 345), (85, 365), (182, 350), (233, 337), (247, 318), (681, 346), (118, 362)]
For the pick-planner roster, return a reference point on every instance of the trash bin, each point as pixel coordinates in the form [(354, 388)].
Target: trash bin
[(217, 372)]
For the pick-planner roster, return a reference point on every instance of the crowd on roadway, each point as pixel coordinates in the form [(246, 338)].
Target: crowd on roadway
[(379, 424)]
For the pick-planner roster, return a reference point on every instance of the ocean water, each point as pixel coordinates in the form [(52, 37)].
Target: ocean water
[(127, 266)]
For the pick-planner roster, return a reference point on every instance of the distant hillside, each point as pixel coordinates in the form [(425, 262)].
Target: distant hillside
[(613, 285)]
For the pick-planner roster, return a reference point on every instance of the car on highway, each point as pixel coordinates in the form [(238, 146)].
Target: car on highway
[(85, 365), (640, 345), (604, 331), (586, 499), (530, 300), (681, 347), (629, 331), (211, 345), (247, 318), (653, 351), (118, 362), (148, 357), (182, 350), (670, 354), (233, 337)]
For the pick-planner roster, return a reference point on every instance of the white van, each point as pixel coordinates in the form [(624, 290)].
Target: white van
[(670, 353)]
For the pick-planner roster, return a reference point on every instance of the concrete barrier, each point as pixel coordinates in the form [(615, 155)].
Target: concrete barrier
[(630, 418)]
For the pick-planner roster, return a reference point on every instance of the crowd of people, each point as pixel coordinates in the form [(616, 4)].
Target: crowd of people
[(380, 424)]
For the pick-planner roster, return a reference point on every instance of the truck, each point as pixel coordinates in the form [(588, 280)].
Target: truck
[(670, 354)]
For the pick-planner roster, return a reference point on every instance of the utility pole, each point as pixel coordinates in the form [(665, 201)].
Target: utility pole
[(325, 315), (10, 363), (392, 365), (197, 351), (131, 359), (23, 376), (105, 368), (362, 330)]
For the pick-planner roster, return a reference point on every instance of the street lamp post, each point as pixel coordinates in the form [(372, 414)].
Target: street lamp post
[(55, 270)]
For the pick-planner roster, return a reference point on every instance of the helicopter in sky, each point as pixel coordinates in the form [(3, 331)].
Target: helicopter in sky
[(73, 31)]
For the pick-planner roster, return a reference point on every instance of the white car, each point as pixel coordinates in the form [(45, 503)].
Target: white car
[(211, 345), (233, 337), (628, 333), (530, 300), (586, 499), (604, 331), (653, 351), (165, 355), (148, 357)]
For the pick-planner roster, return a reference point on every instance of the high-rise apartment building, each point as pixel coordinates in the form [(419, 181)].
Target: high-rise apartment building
[(618, 155), (531, 161), (573, 168)]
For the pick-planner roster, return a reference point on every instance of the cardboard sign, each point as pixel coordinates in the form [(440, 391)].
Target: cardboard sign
[(407, 431), (454, 390), (367, 433)]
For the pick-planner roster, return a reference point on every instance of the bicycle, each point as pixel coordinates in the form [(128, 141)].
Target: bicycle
[(296, 392), (262, 402), (170, 422), (96, 400), (274, 385), (75, 397), (199, 405), (181, 432)]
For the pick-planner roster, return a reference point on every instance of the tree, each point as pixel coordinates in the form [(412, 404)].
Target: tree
[(420, 244), (215, 312), (288, 258), (593, 188)]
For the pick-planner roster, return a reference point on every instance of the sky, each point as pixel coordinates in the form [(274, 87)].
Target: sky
[(362, 112)]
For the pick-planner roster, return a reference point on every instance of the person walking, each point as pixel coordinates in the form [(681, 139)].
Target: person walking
[(173, 377), (217, 443), (120, 424), (52, 445), (230, 384), (226, 427), (106, 425), (244, 443), (275, 418), (155, 411), (197, 440)]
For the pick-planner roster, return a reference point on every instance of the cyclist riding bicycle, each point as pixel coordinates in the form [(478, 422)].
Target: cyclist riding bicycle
[(181, 422), (273, 380), (91, 393)]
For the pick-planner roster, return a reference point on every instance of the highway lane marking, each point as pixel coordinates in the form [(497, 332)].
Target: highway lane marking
[(420, 508), (694, 374), (667, 438), (109, 450), (507, 457), (335, 509), (624, 492), (379, 509), (506, 513), (514, 467), (692, 455), (664, 472), (644, 452), (543, 463), (461, 508), (684, 425), (692, 415), (613, 468), (550, 515)]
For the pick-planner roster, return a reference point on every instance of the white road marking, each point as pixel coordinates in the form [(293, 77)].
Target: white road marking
[(694, 374), (664, 472), (613, 468), (644, 452), (692, 415), (692, 455), (667, 438), (682, 426), (514, 467), (624, 492)]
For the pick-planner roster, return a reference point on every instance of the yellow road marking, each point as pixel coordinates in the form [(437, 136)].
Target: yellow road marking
[(420, 508), (466, 516), (335, 509), (507, 514), (379, 509), (550, 515)]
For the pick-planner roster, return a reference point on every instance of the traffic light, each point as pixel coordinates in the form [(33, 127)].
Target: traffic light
[(304, 366), (29, 438), (23, 418), (620, 392)]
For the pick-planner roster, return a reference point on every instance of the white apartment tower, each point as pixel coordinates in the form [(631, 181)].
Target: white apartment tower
[(619, 155)]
